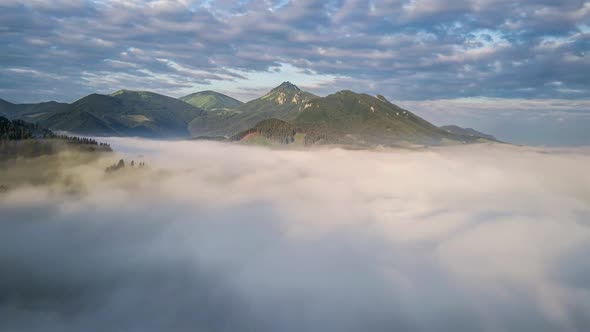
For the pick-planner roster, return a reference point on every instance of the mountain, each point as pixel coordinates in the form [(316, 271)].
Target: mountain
[(470, 132), (343, 118), (284, 102), (347, 117), (126, 113), (212, 101), (30, 112), (267, 132), (286, 114), (352, 119)]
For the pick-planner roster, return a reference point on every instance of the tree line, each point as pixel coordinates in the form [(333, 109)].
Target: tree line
[(21, 130), (121, 165)]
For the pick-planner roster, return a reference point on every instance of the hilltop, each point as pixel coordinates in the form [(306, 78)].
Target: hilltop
[(212, 101)]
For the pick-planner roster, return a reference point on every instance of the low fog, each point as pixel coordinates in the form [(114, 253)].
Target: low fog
[(221, 237)]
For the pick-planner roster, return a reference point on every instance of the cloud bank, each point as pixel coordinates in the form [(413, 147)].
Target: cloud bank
[(222, 237), (408, 50)]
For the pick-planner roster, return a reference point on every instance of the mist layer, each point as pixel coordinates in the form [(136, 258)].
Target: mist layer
[(220, 237)]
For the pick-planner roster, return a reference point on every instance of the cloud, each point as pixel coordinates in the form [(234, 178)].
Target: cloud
[(412, 49), (227, 237)]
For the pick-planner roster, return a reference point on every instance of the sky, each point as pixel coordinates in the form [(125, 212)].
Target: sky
[(517, 69)]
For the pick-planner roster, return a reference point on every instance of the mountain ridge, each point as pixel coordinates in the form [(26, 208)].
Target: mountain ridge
[(344, 117), (283, 102), (468, 132), (125, 113), (30, 111)]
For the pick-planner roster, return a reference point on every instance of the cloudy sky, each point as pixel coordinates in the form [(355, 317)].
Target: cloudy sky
[(515, 68)]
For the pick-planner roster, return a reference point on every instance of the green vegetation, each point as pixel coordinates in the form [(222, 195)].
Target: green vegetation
[(347, 117), (352, 119), (35, 155), (257, 140), (31, 112), (343, 118), (209, 138), (18, 130), (299, 139), (126, 113), (273, 130), (284, 102), (212, 101), (19, 139)]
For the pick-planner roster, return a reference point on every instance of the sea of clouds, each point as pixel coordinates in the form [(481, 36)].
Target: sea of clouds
[(221, 237)]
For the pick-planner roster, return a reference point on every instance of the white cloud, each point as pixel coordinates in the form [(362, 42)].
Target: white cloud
[(225, 237)]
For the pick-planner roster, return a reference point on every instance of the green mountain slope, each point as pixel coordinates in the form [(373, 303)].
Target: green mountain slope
[(126, 113), (347, 117), (31, 112), (212, 101), (267, 132), (284, 102)]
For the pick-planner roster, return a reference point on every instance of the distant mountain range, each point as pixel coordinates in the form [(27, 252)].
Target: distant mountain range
[(30, 112), (467, 132), (124, 113), (284, 115)]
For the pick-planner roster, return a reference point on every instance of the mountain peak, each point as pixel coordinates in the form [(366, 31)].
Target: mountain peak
[(286, 87), (125, 92)]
